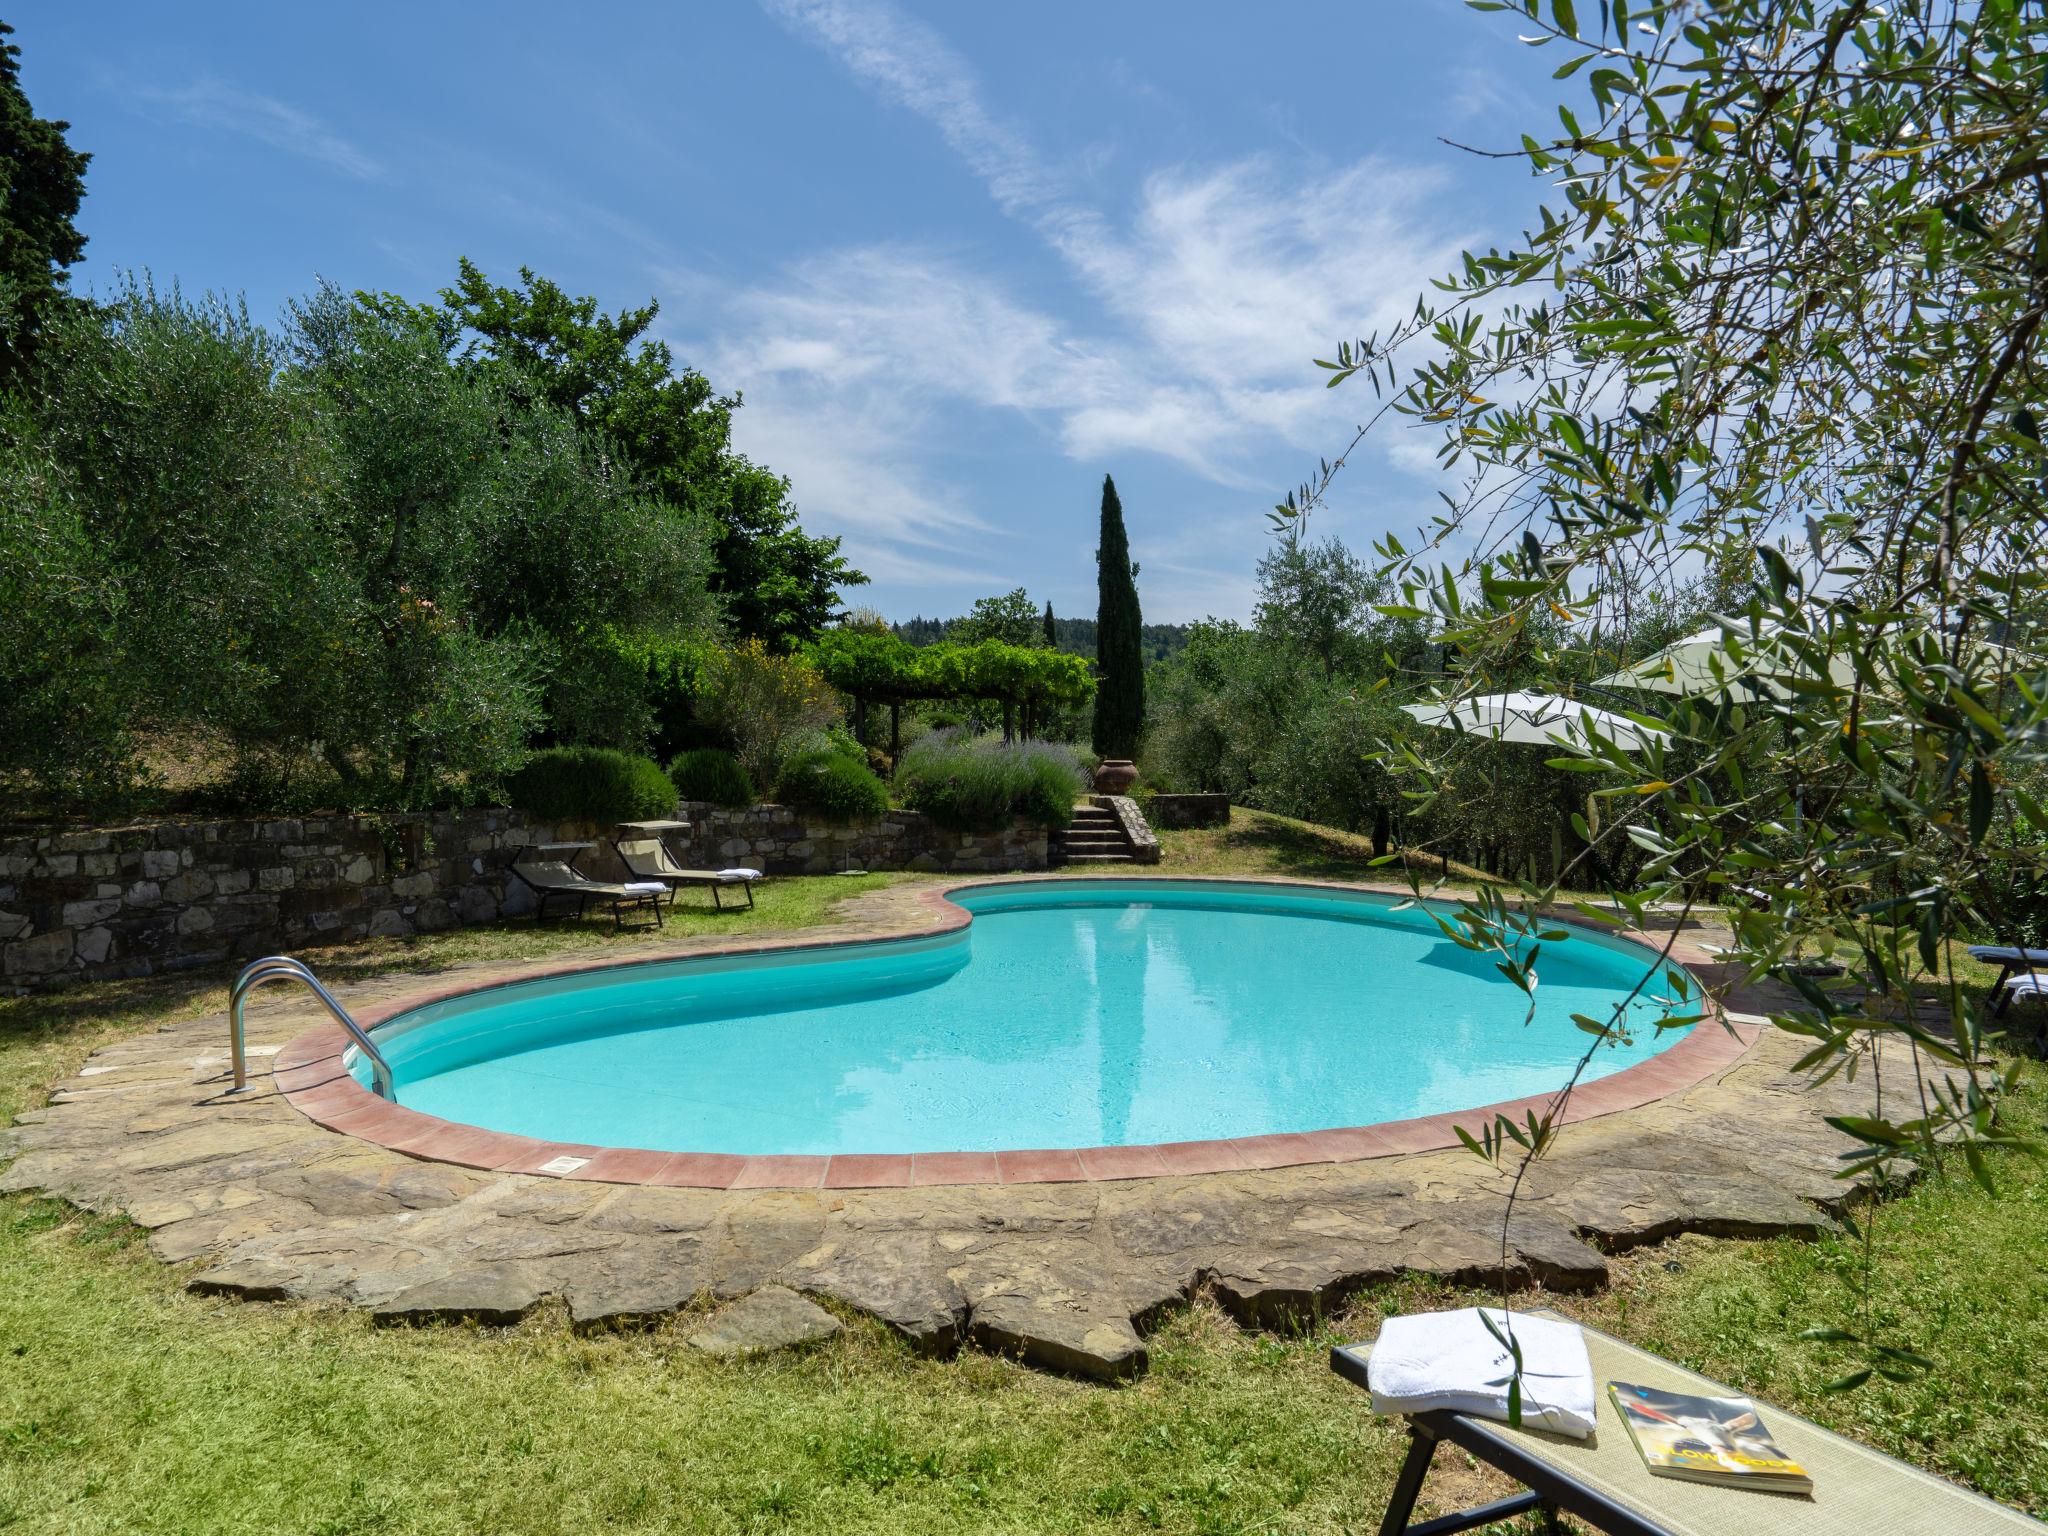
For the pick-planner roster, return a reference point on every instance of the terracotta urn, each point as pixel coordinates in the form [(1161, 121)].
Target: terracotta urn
[(1116, 775)]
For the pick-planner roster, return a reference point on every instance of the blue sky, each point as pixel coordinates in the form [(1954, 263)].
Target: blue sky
[(960, 260)]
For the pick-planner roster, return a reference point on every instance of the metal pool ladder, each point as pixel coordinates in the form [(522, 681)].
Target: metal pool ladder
[(285, 968)]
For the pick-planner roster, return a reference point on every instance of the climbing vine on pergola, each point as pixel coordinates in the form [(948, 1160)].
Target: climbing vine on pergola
[(876, 669)]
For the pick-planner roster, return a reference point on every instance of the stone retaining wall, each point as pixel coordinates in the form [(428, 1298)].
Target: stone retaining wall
[(1138, 833), (1188, 810), (780, 841), (132, 901)]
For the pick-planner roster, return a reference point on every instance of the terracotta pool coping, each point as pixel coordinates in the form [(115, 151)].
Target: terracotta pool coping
[(309, 1073)]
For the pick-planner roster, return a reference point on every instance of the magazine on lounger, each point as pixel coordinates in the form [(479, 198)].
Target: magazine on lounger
[(1706, 1439)]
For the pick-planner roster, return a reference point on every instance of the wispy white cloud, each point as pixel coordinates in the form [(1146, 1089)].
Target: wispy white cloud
[(845, 363), (1475, 91), (1203, 304), (215, 104), (908, 64), (1233, 278)]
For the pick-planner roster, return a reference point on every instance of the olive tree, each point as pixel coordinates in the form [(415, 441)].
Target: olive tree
[(66, 700), (199, 488), (1779, 331), (1318, 596)]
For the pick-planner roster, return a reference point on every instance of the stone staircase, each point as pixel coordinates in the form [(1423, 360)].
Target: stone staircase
[(1095, 837)]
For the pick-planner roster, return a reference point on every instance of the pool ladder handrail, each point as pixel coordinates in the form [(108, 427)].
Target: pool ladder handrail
[(285, 968)]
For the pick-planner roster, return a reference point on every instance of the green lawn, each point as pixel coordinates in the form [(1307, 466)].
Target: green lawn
[(126, 1405)]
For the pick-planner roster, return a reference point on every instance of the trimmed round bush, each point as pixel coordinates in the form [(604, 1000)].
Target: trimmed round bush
[(831, 785), (711, 774), (592, 784)]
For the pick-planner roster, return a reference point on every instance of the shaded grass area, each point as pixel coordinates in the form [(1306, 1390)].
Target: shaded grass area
[(1259, 843), (127, 1405)]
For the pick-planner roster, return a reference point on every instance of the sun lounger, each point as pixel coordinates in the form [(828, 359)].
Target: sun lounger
[(2024, 985), (2015, 964), (2009, 954), (1856, 1491), (649, 859), (2027, 984), (558, 881)]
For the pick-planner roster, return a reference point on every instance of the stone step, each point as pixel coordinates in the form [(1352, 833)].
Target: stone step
[(1095, 835), (1099, 858)]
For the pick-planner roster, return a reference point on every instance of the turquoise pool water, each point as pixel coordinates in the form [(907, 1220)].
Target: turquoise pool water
[(1068, 1014)]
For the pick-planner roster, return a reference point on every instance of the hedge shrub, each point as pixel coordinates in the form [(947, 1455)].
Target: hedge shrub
[(712, 774), (832, 785), (592, 784), (972, 784)]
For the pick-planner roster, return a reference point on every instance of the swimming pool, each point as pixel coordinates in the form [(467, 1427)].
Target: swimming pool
[(1068, 1014)]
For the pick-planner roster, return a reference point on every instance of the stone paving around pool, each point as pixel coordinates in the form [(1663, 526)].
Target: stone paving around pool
[(267, 1205)]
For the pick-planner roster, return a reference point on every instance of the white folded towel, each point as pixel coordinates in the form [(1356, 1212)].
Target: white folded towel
[(1452, 1360), (2027, 985), (739, 874), (645, 887)]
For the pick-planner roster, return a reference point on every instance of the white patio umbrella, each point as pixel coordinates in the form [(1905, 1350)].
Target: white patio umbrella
[(1537, 719), (1707, 662)]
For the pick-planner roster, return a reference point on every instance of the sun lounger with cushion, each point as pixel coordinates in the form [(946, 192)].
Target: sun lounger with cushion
[(2028, 984), (2015, 964), (649, 859), (1856, 1491), (558, 881)]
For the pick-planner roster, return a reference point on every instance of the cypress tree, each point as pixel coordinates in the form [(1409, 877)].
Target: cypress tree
[(1052, 634), (42, 179), (1119, 653)]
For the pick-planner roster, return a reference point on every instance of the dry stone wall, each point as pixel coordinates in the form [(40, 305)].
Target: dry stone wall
[(98, 902), (130, 901), (1188, 810), (780, 841)]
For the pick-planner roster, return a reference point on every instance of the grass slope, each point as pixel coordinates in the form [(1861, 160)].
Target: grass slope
[(127, 1405)]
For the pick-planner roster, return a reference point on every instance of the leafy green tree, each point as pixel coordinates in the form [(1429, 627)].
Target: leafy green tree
[(778, 584), (332, 547), (42, 181), (499, 509), (204, 498), (1216, 708), (1011, 618), (1786, 328), (1119, 643), (1248, 714), (1318, 596), (66, 699), (766, 706), (438, 684)]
